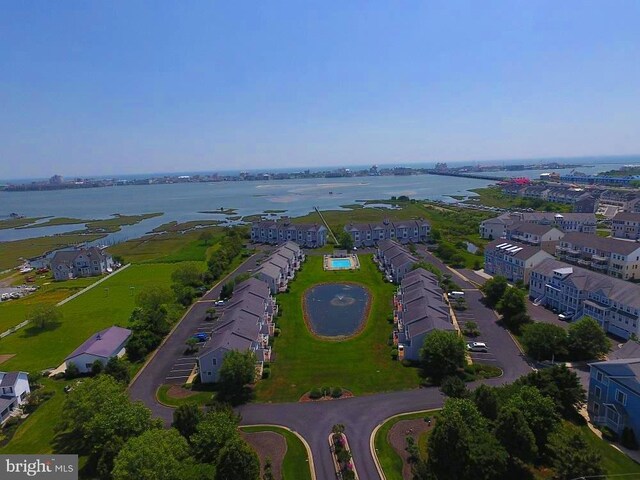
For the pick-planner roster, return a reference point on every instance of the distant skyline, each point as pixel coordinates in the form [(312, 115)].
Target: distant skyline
[(122, 87)]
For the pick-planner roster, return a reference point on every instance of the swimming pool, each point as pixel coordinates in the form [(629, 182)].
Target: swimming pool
[(340, 263)]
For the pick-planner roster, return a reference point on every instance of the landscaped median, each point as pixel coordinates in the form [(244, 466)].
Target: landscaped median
[(297, 462), (389, 462)]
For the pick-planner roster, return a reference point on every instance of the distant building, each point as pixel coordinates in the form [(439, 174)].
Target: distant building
[(512, 260), (494, 228), (578, 292), (275, 232), (368, 234), (83, 262), (626, 225), (14, 389), (101, 347), (614, 394), (56, 180)]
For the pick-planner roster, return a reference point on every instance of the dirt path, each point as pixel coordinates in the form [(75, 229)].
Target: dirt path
[(397, 439), (268, 445)]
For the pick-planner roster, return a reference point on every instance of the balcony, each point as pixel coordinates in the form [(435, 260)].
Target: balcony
[(583, 262), (599, 266), (599, 258)]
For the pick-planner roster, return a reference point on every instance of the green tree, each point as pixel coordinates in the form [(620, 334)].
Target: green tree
[(538, 410), (237, 460), (212, 433), (587, 340), (573, 457), (186, 419), (227, 290), (206, 236), (513, 308), (45, 315), (345, 241), (188, 274), (544, 341), (238, 369), (486, 401), (454, 387), (443, 354), (154, 455), (96, 368), (493, 290), (98, 410), (515, 435), (561, 385), (154, 297), (118, 369)]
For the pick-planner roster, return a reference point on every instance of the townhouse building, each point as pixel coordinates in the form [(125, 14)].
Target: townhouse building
[(626, 225), (246, 324), (494, 228), (394, 260), (610, 256), (276, 232), (419, 307), (403, 231), (544, 236), (512, 260), (579, 292), (280, 267), (613, 398)]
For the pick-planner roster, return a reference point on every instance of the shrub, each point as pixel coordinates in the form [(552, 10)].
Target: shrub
[(276, 332), (609, 435), (72, 371), (325, 391), (315, 393), (336, 392), (394, 354), (266, 372), (36, 399)]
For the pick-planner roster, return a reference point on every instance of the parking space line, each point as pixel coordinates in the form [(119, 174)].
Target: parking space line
[(187, 363), (173, 378)]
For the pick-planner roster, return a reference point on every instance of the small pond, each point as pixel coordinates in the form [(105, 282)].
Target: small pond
[(471, 248), (336, 309)]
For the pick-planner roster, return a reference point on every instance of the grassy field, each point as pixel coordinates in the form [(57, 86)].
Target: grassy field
[(390, 461), (361, 364), (109, 304), (295, 465), (201, 398), (13, 312), (494, 197), (11, 253), (18, 222), (35, 435)]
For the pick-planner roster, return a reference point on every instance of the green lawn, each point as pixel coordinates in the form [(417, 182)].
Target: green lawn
[(295, 465), (390, 461), (361, 364), (97, 309), (201, 398), (35, 435)]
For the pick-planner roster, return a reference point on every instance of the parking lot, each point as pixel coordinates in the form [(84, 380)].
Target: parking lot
[(489, 357), (182, 367), (15, 293)]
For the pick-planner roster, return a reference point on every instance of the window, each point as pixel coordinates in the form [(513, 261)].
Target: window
[(596, 409), (599, 376), (214, 361), (621, 397), (597, 392)]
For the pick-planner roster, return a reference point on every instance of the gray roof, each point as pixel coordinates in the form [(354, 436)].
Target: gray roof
[(630, 349), (620, 291), (69, 256), (105, 343), (270, 270), (402, 258), (9, 379), (627, 217), (525, 252), (6, 402), (606, 244), (551, 216), (254, 286), (533, 228)]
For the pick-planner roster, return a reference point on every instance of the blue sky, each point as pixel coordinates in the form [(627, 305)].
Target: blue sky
[(89, 87)]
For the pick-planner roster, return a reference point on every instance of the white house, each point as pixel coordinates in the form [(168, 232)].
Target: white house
[(14, 388), (102, 346)]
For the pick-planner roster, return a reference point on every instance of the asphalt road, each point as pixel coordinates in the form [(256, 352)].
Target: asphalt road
[(360, 415)]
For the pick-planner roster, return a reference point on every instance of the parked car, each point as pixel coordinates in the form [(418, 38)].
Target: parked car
[(565, 316), (201, 337), (455, 295), (219, 303), (5, 296), (477, 347)]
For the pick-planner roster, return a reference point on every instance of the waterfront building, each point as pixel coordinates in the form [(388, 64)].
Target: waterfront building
[(512, 260), (404, 231), (280, 267), (82, 262), (494, 228), (275, 232)]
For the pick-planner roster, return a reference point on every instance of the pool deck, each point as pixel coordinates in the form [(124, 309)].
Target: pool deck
[(353, 259)]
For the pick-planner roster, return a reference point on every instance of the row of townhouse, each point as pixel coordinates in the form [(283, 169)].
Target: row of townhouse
[(626, 225), (394, 260), (512, 260), (280, 267), (368, 234), (579, 292), (623, 200), (544, 236), (83, 262), (610, 256), (581, 200), (494, 228), (246, 324), (275, 232), (419, 308)]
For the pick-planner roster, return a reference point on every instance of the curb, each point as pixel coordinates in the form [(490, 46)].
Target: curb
[(372, 437), (164, 340), (334, 460), (312, 468)]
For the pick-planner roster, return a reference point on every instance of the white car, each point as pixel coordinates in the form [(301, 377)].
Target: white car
[(477, 347), (219, 303)]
